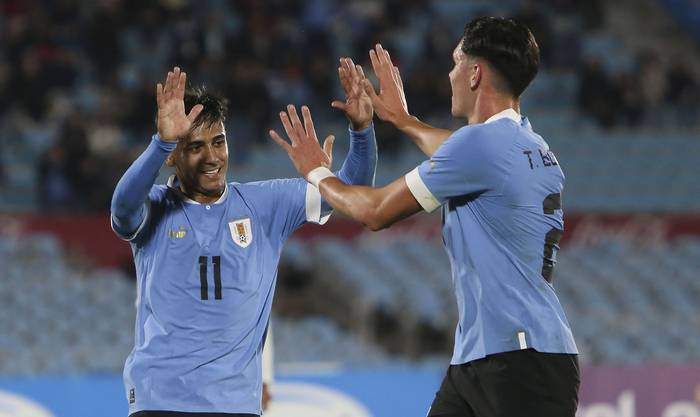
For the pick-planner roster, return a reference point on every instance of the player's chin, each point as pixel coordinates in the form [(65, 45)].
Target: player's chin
[(212, 186)]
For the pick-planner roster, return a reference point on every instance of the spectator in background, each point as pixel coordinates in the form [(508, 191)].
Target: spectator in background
[(597, 95), (29, 86), (531, 16), (654, 85), (55, 191), (683, 95), (86, 51), (70, 176), (631, 101), (101, 35)]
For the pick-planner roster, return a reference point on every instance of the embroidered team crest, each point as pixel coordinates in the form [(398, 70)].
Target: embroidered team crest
[(241, 232)]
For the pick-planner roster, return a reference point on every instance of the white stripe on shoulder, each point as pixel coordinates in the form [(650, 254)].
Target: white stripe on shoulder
[(141, 226), (313, 206), (425, 198)]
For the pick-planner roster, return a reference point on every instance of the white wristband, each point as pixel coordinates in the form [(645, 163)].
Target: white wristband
[(317, 175)]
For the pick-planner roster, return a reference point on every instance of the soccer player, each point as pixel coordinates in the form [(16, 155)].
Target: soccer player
[(500, 187), (206, 253)]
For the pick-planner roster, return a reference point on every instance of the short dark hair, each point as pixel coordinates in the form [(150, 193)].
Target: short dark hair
[(215, 106), (508, 46)]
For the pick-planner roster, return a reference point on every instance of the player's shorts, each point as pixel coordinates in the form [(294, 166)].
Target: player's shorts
[(181, 414), (522, 383)]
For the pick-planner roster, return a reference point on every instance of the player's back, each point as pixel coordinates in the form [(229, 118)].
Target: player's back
[(530, 202), (502, 234)]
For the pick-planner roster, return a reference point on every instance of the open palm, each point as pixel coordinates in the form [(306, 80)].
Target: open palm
[(358, 105), (172, 122), (390, 103)]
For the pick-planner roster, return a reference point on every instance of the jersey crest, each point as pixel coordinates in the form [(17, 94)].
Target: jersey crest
[(241, 232)]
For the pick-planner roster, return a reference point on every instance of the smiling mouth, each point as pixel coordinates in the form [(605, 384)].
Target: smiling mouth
[(211, 172)]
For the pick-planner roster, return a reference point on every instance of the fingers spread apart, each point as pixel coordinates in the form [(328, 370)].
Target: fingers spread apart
[(280, 141)]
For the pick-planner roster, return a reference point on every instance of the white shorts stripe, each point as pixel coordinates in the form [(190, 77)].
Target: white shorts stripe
[(521, 340)]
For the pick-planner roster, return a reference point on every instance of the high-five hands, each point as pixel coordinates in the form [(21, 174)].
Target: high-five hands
[(390, 104), (303, 149), (357, 105), (172, 122)]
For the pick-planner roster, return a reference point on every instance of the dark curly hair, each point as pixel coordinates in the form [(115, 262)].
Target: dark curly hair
[(215, 106), (508, 46)]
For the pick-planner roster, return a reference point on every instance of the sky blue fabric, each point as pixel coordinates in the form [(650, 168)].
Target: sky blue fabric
[(493, 180)]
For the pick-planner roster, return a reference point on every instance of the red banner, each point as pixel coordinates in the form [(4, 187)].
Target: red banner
[(92, 236)]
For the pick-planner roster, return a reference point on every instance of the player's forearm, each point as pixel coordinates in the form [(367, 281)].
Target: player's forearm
[(376, 208), (426, 137), (133, 188), (360, 165), (360, 203)]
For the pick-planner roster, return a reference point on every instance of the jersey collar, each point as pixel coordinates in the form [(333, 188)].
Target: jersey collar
[(507, 113), (174, 184)]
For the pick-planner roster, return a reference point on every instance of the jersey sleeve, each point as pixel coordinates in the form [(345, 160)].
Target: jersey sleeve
[(467, 163), (133, 194), (289, 203), (149, 210)]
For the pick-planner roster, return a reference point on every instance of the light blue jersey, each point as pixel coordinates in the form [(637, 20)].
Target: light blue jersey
[(205, 279), (500, 187)]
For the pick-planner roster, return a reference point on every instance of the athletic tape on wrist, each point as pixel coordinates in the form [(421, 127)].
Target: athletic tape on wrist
[(318, 174)]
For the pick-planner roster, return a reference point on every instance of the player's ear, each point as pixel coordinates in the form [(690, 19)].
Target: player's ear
[(475, 77)]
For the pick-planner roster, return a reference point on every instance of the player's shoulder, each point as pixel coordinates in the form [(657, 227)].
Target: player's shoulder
[(538, 140), (271, 188), (483, 137), (263, 186)]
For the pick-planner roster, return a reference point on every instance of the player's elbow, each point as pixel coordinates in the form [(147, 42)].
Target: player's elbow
[(120, 210), (374, 221), (375, 227)]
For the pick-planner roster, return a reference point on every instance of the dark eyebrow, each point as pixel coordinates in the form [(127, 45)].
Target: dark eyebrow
[(195, 142), (199, 142)]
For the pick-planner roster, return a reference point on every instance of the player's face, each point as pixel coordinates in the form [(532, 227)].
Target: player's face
[(201, 162), (462, 96)]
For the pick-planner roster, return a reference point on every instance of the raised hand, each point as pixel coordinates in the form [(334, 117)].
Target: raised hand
[(357, 105), (172, 122), (390, 104), (304, 149)]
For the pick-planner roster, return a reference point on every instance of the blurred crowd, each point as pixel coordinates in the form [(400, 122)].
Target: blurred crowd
[(78, 77), (649, 95)]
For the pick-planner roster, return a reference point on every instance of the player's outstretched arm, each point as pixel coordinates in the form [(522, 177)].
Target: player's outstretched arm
[(390, 104), (128, 202), (361, 162), (376, 208)]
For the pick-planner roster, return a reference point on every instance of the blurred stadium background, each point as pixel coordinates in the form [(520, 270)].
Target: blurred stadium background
[(367, 317)]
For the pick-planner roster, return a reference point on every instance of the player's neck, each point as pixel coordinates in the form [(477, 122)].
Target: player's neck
[(199, 197), (488, 104)]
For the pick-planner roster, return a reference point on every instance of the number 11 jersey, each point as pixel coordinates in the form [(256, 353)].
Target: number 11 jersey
[(206, 275)]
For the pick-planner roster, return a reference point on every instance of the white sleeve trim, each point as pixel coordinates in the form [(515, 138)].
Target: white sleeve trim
[(319, 174), (425, 198), (313, 206), (147, 207)]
